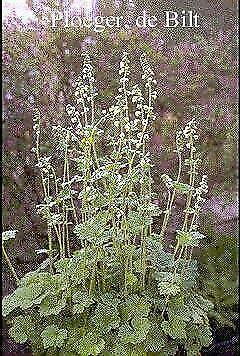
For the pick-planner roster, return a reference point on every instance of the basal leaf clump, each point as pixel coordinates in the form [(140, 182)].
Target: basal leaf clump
[(110, 284)]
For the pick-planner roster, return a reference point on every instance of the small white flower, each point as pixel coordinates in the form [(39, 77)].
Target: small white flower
[(74, 119), (10, 234)]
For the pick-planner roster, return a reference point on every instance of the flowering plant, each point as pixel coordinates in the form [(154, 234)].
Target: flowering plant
[(110, 284)]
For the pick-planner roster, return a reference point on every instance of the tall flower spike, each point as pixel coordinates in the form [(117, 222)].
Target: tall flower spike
[(148, 73), (85, 90), (187, 137), (202, 189)]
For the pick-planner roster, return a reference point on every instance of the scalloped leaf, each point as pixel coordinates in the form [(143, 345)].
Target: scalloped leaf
[(155, 340), (134, 306), (25, 296), (81, 301), (205, 335), (53, 336), (20, 329), (106, 317), (90, 344), (92, 229), (52, 305), (128, 350), (175, 327), (168, 288), (136, 221), (201, 334), (187, 238), (135, 333), (131, 279), (9, 304), (62, 265), (161, 260)]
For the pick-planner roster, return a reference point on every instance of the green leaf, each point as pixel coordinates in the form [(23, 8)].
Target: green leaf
[(191, 274), (110, 299), (175, 327), (81, 301), (62, 265), (169, 349), (197, 309), (44, 281), (9, 303), (201, 334), (100, 201), (182, 311), (92, 229), (166, 288), (166, 276), (25, 296), (52, 336), (203, 303), (155, 340), (187, 238), (52, 305), (105, 318), (168, 283), (154, 246), (33, 278), (136, 221), (78, 271), (74, 267), (182, 187), (20, 329), (128, 350), (74, 335), (184, 238), (138, 265), (150, 209), (131, 279), (205, 335), (135, 333), (134, 306), (89, 344), (163, 260)]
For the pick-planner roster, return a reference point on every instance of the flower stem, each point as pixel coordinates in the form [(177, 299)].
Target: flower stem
[(10, 265), (171, 198)]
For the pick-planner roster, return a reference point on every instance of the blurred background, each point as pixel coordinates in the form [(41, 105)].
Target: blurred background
[(196, 72)]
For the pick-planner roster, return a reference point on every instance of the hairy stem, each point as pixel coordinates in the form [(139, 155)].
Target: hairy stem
[(171, 199)]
